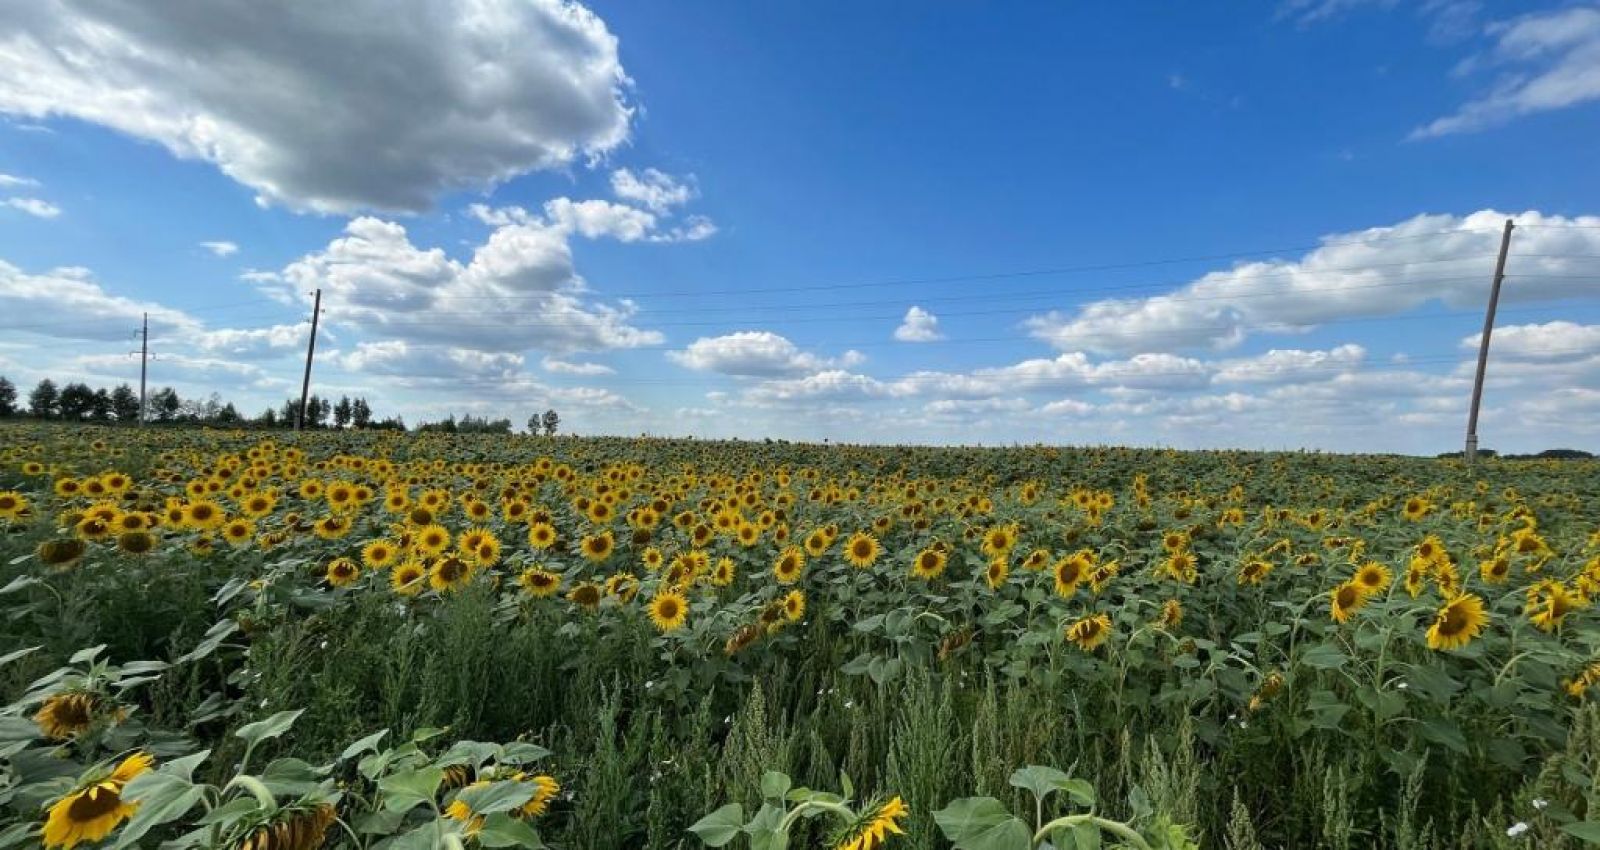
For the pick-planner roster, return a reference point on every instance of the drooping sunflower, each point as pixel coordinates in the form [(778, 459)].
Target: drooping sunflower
[(1171, 614), (332, 527), (669, 610), (1457, 623), (69, 714), (61, 552), (1254, 572), (929, 564), (342, 572), (873, 828), (1089, 632), (789, 566), (1495, 570), (136, 542), (586, 595), (539, 583), (95, 807), (1549, 602), (408, 578), (449, 572), (545, 789), (296, 827)]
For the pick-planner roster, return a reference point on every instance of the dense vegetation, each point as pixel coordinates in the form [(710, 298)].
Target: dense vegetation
[(601, 643)]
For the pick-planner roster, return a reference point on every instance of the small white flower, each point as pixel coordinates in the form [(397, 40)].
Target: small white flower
[(1516, 829), (849, 703), (1539, 803), (1403, 685)]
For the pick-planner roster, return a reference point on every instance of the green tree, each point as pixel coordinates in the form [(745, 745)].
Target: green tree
[(45, 399)]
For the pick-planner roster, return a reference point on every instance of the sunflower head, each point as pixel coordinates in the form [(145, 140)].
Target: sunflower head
[(1457, 622), (871, 829), (669, 611)]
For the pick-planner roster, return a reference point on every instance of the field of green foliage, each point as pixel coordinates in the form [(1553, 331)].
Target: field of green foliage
[(215, 639)]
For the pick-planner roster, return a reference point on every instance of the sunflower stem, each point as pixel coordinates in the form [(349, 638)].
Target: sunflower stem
[(257, 789), (1120, 830)]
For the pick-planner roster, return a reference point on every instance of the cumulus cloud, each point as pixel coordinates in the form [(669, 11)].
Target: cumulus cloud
[(332, 107), (919, 325), (654, 189), (1283, 365), (33, 207), (563, 367), (756, 354), (1559, 340), (221, 248), (1547, 61), (68, 303), (1379, 271), (519, 291), (595, 219), (255, 343)]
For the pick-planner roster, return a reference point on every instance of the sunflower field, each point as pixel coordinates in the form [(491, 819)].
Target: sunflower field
[(227, 639)]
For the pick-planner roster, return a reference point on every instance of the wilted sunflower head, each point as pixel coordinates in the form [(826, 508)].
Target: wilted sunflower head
[(297, 827), (61, 552)]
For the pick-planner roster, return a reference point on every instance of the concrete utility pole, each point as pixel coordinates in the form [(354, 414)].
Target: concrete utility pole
[(144, 362), (311, 350), (1471, 452)]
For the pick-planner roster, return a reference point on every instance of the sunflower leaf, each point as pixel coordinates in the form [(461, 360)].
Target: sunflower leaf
[(496, 796), (721, 826), (162, 798), (502, 830), (1587, 831), (981, 823), (365, 744), (272, 727)]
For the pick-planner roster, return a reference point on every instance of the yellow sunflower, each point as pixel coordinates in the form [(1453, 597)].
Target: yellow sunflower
[(669, 610), (91, 811), (873, 830), (929, 563), (408, 578), (1089, 632), (1457, 623), (1372, 578), (342, 572), (794, 605), (789, 565), (597, 547), (861, 550), (541, 535), (1345, 600)]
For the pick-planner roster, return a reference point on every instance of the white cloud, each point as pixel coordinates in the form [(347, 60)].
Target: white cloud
[(451, 94), (563, 367), (1351, 276), (1283, 365), (919, 325), (1553, 62), (755, 354), (519, 291), (254, 343), (13, 181), (33, 207), (221, 248), (1558, 340), (594, 219), (654, 189), (67, 303)]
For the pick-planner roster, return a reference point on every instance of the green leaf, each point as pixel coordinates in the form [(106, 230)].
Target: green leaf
[(1324, 656), (272, 727), (763, 829), (291, 777), (720, 827), (82, 656), (19, 583), (365, 744), (1586, 830), (1043, 781), (184, 767), (15, 654), (774, 785), (162, 798), (409, 788), (981, 823), (503, 830), (522, 752), (496, 796), (18, 729)]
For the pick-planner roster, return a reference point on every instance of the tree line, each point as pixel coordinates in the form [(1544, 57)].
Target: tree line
[(78, 402)]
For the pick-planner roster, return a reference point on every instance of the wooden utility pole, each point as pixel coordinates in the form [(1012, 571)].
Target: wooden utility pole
[(144, 362), (311, 350), (1471, 452)]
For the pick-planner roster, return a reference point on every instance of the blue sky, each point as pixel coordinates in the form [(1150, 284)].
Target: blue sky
[(867, 222)]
